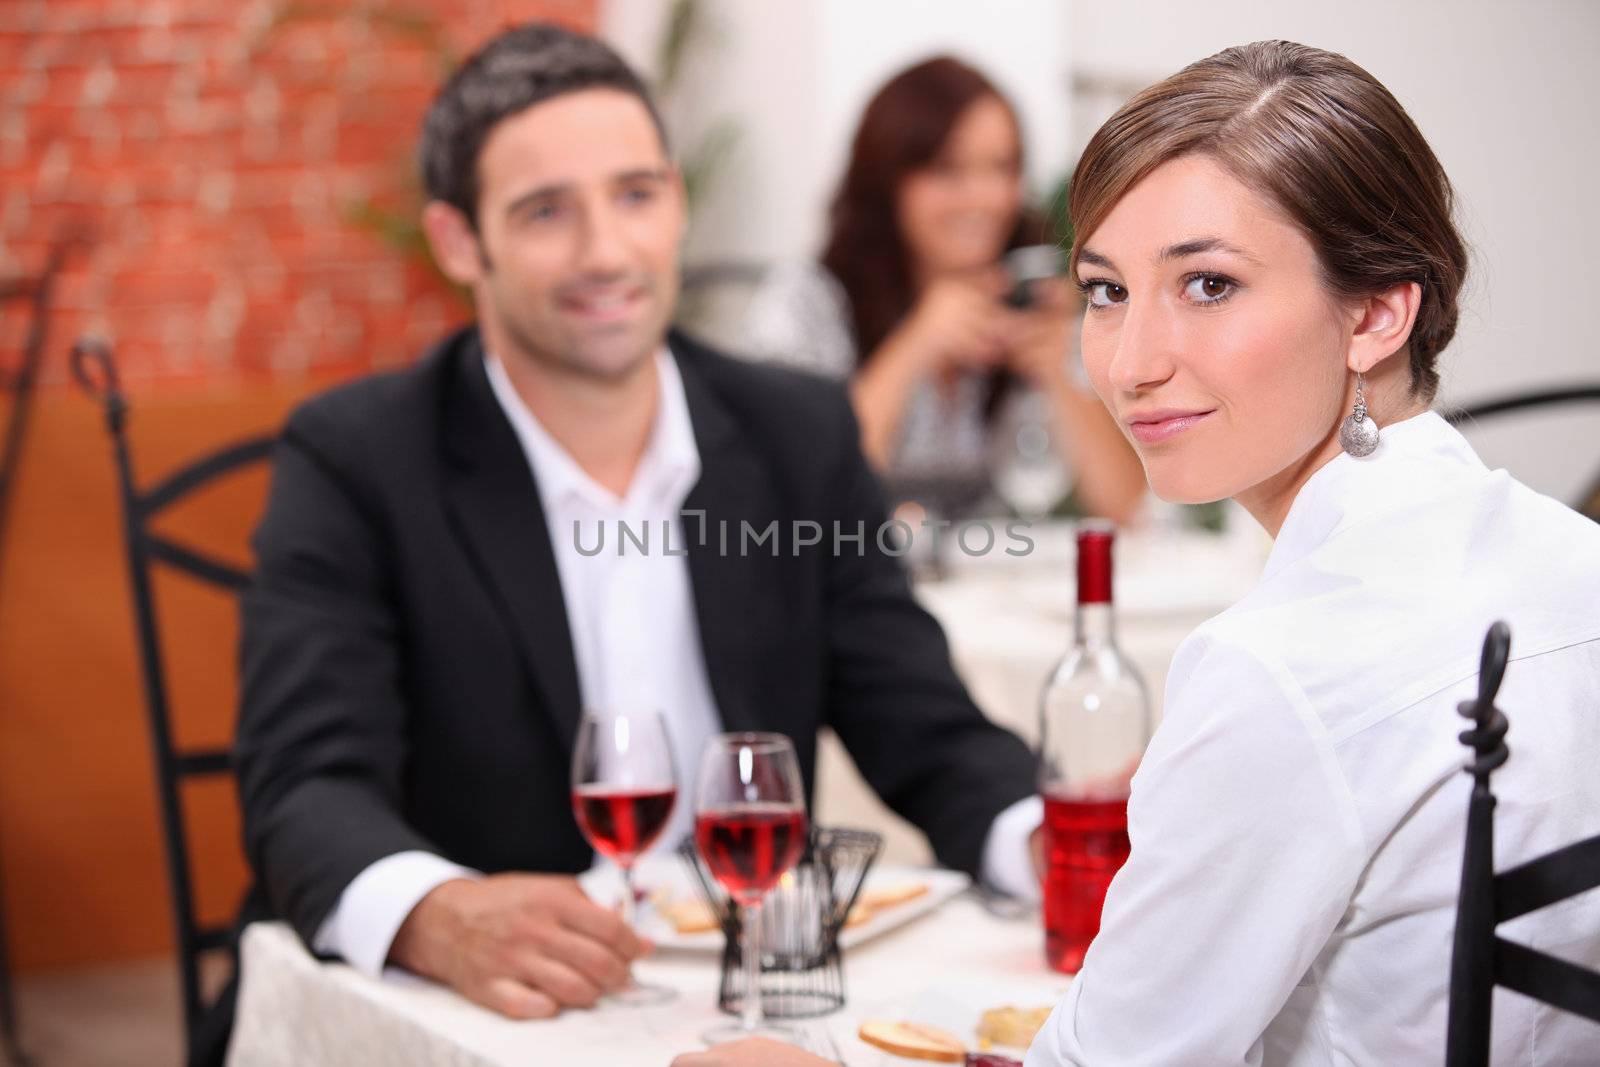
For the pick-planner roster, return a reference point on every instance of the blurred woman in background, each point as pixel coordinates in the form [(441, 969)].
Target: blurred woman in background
[(909, 299)]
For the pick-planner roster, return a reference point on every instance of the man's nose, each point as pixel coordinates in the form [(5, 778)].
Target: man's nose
[(604, 248)]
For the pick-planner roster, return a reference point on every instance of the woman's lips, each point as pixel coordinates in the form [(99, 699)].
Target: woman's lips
[(1163, 425)]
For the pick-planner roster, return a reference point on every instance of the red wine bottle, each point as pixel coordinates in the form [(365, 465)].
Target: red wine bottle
[(1094, 726), (621, 823), (748, 847)]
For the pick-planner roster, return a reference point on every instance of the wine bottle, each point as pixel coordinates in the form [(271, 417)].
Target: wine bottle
[(1094, 726)]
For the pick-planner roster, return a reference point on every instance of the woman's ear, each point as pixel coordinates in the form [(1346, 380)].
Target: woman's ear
[(1383, 325), (453, 242)]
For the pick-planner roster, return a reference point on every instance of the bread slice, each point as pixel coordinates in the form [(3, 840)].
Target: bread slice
[(1012, 1027), (914, 1041), (689, 916), (872, 901), (888, 896)]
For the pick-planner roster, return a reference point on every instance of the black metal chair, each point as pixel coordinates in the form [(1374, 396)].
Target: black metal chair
[(95, 371), (33, 294), (1589, 501), (1482, 959)]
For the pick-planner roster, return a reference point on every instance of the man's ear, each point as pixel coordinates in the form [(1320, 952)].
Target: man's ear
[(453, 241), (1383, 325)]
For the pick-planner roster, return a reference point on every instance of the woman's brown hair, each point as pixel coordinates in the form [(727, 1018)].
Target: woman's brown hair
[(902, 130), (1326, 142)]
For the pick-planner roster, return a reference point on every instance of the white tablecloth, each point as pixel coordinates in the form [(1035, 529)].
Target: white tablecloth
[(295, 1011)]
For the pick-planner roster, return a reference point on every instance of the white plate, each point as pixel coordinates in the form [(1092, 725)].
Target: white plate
[(667, 875)]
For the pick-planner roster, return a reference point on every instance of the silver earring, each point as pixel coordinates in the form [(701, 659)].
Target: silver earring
[(1358, 434)]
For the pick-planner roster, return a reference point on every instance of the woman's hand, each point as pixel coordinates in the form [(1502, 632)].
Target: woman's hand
[(960, 323), (1041, 340), (752, 1052)]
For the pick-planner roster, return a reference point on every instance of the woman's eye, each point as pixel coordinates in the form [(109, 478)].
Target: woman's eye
[(1208, 288), (1104, 294)]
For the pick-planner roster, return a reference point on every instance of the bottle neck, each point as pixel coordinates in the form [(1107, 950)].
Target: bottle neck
[(1094, 625)]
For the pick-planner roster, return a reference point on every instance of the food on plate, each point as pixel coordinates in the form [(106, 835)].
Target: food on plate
[(876, 899), (1012, 1027), (914, 1041), (689, 916)]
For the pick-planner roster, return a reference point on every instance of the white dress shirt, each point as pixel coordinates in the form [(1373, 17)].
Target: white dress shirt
[(635, 640), (1297, 822)]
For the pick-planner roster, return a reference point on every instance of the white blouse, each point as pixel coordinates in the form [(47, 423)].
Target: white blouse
[(1297, 822)]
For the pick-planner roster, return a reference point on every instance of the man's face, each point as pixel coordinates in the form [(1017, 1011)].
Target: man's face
[(580, 215)]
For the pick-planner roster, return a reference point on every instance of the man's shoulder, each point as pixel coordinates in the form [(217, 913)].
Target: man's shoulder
[(380, 406), (768, 399)]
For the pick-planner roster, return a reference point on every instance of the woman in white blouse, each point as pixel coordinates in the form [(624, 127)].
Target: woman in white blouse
[(1271, 267)]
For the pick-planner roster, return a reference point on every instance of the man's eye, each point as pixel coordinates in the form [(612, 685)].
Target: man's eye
[(540, 212)]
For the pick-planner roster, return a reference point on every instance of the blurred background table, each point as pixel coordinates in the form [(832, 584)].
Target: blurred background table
[(295, 1010), (1009, 621)]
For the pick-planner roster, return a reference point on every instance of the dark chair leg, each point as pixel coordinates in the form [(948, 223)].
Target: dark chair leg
[(10, 1040)]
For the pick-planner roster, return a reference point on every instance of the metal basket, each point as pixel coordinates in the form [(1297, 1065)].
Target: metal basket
[(802, 974)]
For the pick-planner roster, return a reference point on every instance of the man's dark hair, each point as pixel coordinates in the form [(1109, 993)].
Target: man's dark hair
[(523, 66)]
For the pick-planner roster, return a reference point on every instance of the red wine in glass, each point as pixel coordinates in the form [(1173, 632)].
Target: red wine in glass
[(1086, 843), (750, 828), (624, 786), (748, 847), (621, 822)]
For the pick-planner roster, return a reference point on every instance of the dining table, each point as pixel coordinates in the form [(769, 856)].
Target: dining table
[(944, 968), (1008, 620)]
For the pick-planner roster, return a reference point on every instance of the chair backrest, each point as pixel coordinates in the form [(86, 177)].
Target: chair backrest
[(33, 293), (1482, 959), (1588, 502), (95, 370)]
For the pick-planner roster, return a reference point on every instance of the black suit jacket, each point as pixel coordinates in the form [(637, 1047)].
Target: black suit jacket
[(408, 677)]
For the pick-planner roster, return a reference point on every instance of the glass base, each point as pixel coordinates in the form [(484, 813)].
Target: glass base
[(721, 1035), (639, 995)]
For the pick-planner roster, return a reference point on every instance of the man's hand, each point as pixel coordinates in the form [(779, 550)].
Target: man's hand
[(524, 945), (752, 1052)]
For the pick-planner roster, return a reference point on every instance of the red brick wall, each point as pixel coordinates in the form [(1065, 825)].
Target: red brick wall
[(212, 152)]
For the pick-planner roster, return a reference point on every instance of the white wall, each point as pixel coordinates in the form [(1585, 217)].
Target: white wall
[(1505, 93), (795, 75)]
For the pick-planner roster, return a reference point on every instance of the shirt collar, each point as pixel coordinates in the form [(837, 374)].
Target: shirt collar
[(667, 469), (1416, 459)]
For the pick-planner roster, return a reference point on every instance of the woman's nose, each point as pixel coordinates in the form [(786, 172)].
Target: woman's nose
[(1144, 355)]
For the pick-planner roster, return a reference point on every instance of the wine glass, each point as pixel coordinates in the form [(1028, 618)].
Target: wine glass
[(750, 828), (1029, 472), (624, 787)]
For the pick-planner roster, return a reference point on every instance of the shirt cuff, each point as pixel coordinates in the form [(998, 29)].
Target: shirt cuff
[(1007, 859), (363, 923)]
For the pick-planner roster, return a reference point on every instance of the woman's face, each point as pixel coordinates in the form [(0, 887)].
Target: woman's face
[(1212, 339), (956, 213)]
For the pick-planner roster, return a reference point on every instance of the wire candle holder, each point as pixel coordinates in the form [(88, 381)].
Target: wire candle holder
[(802, 973)]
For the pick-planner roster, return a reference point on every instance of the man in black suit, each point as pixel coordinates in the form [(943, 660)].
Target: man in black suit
[(429, 618)]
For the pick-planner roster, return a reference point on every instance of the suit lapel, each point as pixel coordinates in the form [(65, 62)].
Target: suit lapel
[(730, 587), (494, 502)]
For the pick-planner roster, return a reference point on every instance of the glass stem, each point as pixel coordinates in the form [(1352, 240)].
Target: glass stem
[(750, 1010), (626, 905)]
